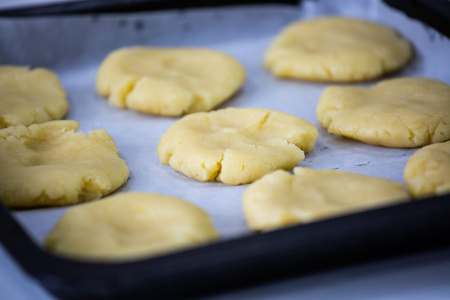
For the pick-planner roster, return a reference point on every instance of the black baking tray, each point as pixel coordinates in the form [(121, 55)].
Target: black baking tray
[(355, 238), (254, 259), (121, 6), (435, 13)]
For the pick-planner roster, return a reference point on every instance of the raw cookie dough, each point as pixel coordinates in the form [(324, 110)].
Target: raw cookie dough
[(399, 113), (130, 226), (236, 145), (280, 199), (30, 96), (51, 164), (427, 172), (337, 49), (169, 81)]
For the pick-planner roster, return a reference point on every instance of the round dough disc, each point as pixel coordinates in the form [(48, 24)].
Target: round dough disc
[(427, 172), (130, 226), (52, 164), (337, 49), (236, 145), (169, 81), (399, 113), (30, 96), (280, 199)]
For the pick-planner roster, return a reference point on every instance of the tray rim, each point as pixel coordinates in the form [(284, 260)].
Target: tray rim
[(413, 226)]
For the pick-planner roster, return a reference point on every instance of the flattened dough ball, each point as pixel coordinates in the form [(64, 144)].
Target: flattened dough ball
[(236, 145), (427, 172), (280, 199), (337, 49), (169, 81), (30, 96), (130, 226), (52, 164), (398, 113)]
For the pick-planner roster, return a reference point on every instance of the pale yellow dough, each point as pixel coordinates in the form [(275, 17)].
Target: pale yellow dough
[(399, 113), (51, 164), (336, 49), (30, 96), (130, 226), (236, 145), (427, 172), (280, 199), (169, 81)]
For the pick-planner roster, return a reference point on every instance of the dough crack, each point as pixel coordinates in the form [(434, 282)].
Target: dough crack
[(264, 119), (124, 90), (44, 197), (394, 113), (322, 50), (169, 81), (310, 195), (327, 71), (30, 96), (427, 172), (287, 143), (434, 132), (383, 63), (412, 135), (230, 146), (219, 167), (197, 101), (50, 157)]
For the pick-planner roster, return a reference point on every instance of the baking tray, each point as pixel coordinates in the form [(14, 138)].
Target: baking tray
[(73, 45)]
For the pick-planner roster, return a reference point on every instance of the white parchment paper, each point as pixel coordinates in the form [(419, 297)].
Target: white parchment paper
[(74, 46)]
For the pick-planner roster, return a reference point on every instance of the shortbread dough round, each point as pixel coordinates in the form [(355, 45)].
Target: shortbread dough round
[(130, 226), (337, 49), (427, 172), (280, 199), (30, 96), (169, 81), (236, 145), (51, 164), (398, 113)]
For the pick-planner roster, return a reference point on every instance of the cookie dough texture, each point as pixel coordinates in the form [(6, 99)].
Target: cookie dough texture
[(30, 96), (280, 199), (51, 164), (169, 81), (427, 172), (236, 145), (398, 113), (336, 49), (130, 226)]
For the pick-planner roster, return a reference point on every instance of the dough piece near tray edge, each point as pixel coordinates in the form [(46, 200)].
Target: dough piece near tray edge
[(30, 96), (427, 172), (50, 164), (337, 49), (169, 81), (236, 145), (398, 113), (280, 199), (130, 226)]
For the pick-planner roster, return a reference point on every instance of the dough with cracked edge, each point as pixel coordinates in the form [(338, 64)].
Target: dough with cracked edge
[(236, 145), (169, 81), (427, 172), (337, 49), (130, 226), (280, 199), (51, 164), (398, 113), (30, 96)]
